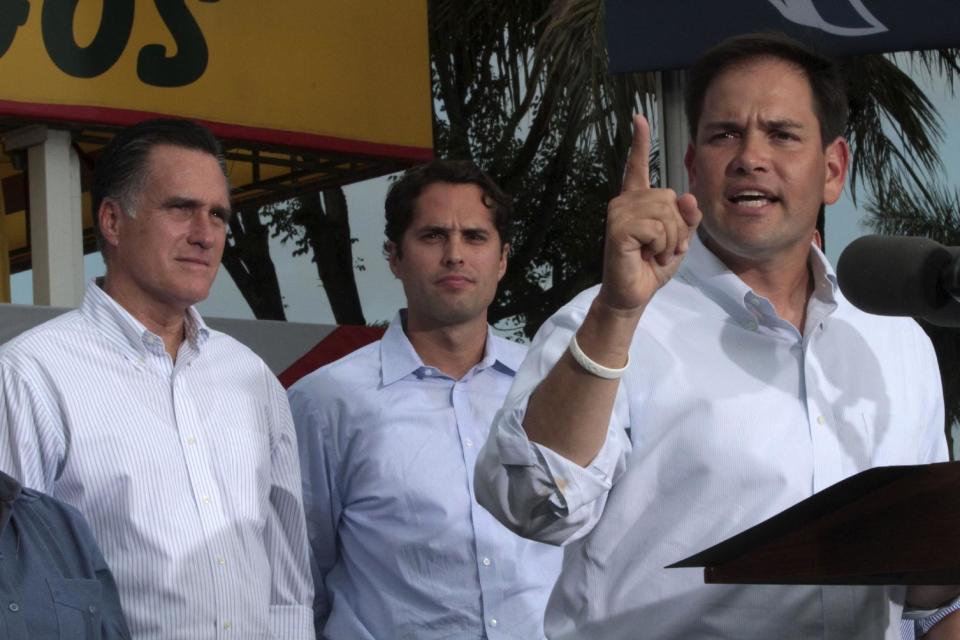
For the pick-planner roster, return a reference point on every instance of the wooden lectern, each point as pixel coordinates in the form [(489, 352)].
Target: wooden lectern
[(889, 525)]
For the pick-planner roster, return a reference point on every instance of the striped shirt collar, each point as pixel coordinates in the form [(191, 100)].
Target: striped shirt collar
[(119, 326), (398, 358)]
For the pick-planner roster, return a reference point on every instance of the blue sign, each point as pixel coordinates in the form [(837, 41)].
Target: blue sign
[(654, 36)]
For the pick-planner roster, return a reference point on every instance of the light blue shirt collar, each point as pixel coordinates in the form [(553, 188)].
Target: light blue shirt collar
[(399, 359)]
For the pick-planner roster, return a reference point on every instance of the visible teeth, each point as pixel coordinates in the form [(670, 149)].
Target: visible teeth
[(752, 198)]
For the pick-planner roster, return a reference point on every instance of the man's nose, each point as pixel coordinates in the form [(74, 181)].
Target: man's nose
[(204, 229), (752, 154), (453, 251)]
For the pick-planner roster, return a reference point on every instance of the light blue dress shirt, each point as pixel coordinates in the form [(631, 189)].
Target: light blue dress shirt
[(186, 471), (726, 416), (401, 550)]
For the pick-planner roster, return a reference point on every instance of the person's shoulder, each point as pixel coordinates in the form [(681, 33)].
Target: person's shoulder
[(510, 352), (896, 327), (60, 517), (895, 340), (227, 346), (356, 370), (44, 341)]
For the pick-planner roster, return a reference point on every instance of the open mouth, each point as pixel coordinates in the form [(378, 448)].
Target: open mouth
[(753, 198)]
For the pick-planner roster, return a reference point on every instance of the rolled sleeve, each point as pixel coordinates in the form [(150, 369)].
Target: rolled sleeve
[(530, 488)]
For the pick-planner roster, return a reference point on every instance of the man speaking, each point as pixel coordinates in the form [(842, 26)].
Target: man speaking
[(716, 377)]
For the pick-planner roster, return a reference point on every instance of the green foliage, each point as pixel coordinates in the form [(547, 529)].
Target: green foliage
[(522, 90)]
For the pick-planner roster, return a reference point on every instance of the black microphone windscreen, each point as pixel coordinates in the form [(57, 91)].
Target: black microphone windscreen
[(894, 275)]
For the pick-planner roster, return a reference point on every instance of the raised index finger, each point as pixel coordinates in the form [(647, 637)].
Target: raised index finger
[(636, 176)]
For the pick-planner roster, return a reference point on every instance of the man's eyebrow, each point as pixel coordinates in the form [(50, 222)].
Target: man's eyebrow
[(723, 124), (784, 123), (779, 123), (433, 228), (181, 201)]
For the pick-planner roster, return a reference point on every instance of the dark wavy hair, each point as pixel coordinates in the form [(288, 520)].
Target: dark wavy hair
[(826, 80), (404, 192)]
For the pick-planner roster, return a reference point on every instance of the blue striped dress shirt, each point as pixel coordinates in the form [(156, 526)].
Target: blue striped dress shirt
[(187, 472), (401, 550)]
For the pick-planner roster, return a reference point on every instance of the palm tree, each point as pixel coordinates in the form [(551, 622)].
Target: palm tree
[(522, 89)]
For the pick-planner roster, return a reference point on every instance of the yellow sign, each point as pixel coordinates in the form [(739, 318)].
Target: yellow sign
[(340, 76)]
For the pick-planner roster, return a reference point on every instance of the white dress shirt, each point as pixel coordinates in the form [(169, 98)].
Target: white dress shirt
[(401, 550), (726, 416), (186, 472)]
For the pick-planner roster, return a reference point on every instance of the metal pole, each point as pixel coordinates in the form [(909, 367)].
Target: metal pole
[(674, 138)]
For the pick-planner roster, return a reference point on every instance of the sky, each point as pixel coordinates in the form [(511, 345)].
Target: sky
[(381, 294)]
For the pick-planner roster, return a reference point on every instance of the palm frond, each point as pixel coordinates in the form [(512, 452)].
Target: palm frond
[(894, 128)]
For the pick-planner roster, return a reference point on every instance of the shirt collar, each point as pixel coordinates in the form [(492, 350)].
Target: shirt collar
[(124, 329), (399, 359), (703, 268)]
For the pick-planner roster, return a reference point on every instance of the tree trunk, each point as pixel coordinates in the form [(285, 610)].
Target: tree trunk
[(246, 258), (327, 227)]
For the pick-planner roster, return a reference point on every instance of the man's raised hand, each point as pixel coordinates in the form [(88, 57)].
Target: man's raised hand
[(648, 232)]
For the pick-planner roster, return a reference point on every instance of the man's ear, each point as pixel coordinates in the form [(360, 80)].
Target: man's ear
[(688, 162), (836, 157), (110, 220), (504, 252), (390, 248)]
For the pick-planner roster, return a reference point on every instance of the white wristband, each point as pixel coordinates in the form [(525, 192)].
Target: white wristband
[(594, 368)]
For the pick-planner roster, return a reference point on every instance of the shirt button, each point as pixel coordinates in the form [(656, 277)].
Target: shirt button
[(486, 562), (92, 609), (227, 625), (821, 420), (191, 440), (14, 607), (468, 442), (206, 499), (221, 561), (493, 622)]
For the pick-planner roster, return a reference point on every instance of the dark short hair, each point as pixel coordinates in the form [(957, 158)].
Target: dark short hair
[(826, 80), (404, 192), (120, 169)]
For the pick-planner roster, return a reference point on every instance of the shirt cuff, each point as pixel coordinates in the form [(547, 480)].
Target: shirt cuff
[(574, 486), (294, 622)]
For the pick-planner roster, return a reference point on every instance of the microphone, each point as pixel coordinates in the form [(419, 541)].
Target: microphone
[(902, 276)]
